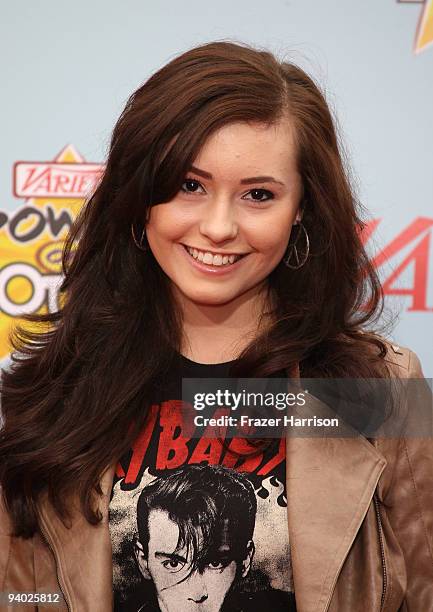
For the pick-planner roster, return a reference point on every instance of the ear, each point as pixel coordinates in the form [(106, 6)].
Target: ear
[(246, 563), (141, 559)]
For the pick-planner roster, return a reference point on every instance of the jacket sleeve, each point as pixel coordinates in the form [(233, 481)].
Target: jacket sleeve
[(409, 499)]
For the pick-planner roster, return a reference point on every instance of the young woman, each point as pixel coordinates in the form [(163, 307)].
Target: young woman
[(222, 241)]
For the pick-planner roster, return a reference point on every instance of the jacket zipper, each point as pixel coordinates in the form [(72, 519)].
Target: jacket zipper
[(44, 537), (382, 551)]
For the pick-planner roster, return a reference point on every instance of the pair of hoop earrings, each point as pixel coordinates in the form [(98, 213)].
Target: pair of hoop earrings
[(291, 252)]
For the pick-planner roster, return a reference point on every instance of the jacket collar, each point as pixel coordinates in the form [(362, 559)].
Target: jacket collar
[(330, 484)]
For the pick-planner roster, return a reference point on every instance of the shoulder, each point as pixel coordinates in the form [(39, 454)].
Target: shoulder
[(403, 361)]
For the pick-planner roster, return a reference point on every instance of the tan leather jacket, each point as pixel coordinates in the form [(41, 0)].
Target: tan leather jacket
[(360, 517)]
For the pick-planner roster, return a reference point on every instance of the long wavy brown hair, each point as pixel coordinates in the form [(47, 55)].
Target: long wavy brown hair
[(75, 395)]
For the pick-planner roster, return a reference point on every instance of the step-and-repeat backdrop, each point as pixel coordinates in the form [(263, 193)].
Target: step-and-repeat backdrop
[(68, 68)]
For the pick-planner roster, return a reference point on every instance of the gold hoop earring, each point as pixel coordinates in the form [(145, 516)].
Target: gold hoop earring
[(292, 250), (142, 245)]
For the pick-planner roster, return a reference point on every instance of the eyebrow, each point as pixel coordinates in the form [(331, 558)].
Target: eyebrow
[(173, 556), (245, 181)]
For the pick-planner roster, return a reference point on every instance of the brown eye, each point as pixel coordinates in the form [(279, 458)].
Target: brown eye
[(260, 192), (191, 185)]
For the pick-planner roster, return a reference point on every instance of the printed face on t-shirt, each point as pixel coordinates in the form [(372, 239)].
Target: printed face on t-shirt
[(224, 508), (178, 585)]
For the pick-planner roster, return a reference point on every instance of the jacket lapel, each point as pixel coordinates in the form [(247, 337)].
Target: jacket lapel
[(330, 484)]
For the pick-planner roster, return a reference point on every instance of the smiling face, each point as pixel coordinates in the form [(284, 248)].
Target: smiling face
[(177, 587), (240, 198)]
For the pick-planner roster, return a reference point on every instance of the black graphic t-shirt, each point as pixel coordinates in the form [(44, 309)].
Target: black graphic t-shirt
[(199, 524)]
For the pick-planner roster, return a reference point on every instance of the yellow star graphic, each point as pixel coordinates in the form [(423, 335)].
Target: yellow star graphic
[(39, 257), (424, 33)]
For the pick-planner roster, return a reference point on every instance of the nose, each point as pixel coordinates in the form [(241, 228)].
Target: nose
[(218, 223), (197, 588)]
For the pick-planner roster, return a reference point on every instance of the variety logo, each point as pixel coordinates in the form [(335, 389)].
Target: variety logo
[(424, 30), (55, 180)]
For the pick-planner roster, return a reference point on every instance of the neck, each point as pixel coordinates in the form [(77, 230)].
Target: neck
[(213, 333)]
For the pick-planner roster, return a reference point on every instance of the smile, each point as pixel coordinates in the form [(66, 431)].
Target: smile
[(213, 259)]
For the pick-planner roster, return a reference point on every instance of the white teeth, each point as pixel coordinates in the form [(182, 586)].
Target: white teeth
[(208, 258), (214, 260)]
